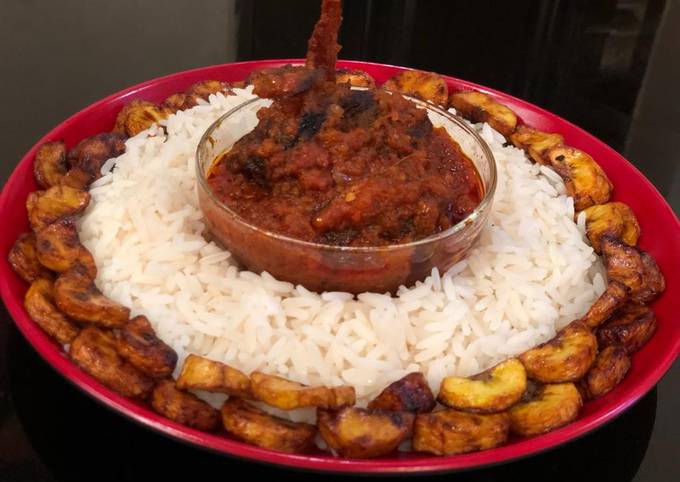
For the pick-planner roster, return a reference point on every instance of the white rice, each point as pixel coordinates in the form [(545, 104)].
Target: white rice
[(531, 273)]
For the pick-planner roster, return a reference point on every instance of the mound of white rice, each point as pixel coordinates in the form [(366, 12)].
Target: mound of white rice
[(531, 273)]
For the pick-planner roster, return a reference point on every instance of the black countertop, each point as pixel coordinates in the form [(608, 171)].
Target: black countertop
[(609, 66)]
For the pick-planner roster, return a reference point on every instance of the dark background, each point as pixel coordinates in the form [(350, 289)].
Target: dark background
[(610, 66)]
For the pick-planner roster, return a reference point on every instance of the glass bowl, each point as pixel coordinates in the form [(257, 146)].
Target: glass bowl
[(320, 267)]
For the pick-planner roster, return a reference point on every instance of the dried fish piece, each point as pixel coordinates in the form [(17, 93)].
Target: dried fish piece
[(323, 48)]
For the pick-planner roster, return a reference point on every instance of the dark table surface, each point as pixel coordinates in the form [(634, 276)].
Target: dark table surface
[(609, 66)]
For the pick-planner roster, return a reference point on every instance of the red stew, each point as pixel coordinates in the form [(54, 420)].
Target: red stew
[(347, 167)]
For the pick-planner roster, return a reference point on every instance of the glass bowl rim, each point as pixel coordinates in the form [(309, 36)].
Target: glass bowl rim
[(459, 226)]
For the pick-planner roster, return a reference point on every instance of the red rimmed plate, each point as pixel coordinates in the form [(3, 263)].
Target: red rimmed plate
[(661, 238)]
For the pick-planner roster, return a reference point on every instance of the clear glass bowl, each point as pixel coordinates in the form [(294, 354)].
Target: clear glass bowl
[(321, 267)]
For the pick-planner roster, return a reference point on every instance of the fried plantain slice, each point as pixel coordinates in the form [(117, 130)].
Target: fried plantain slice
[(493, 390), (426, 86), (202, 374), (355, 78), (205, 88), (634, 268), (479, 107), (59, 249), (362, 433), (138, 116), (535, 143), (610, 368), (176, 102), (631, 327), (613, 298), (653, 282), (49, 165), (94, 351), (545, 408), (288, 395), (198, 91), (450, 431), (273, 83), (46, 207), (137, 342), (323, 48), (39, 303), (90, 154), (252, 425), (584, 179), (77, 179), (182, 407), (615, 219), (565, 358), (23, 258), (76, 295), (410, 393)]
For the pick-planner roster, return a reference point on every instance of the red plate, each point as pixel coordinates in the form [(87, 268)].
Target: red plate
[(661, 238)]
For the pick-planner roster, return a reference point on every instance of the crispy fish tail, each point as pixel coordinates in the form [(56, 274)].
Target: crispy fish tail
[(323, 47)]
